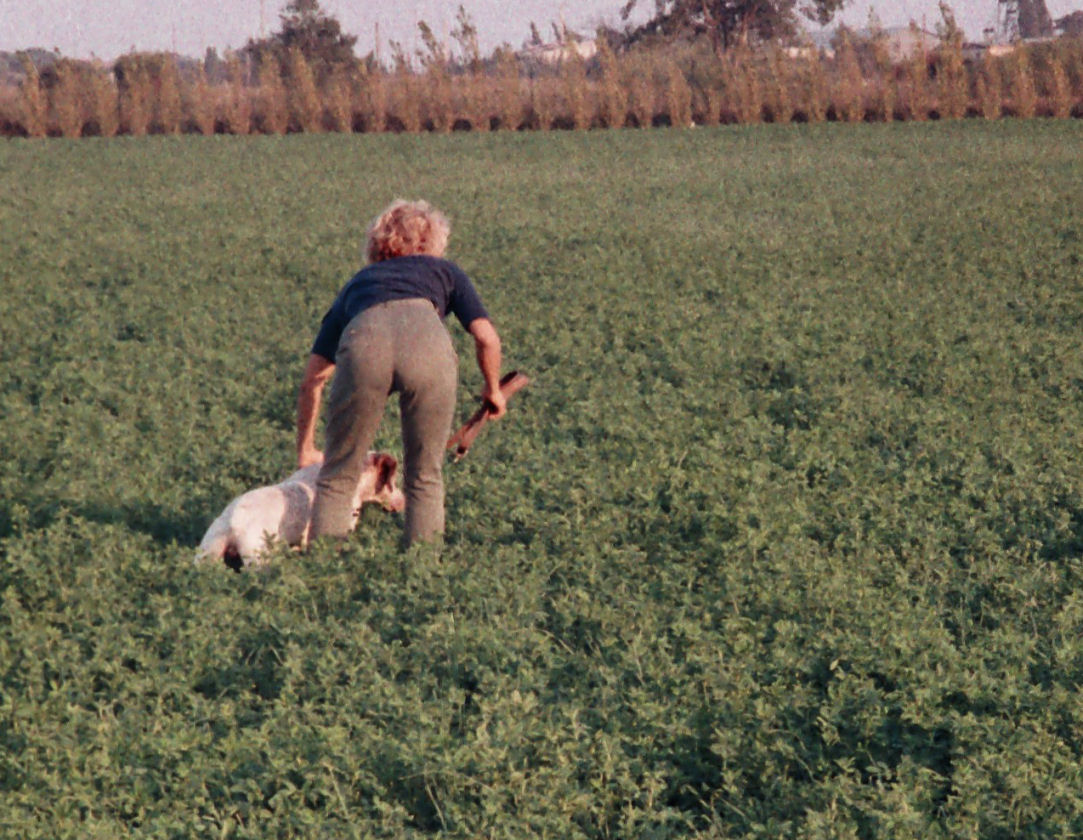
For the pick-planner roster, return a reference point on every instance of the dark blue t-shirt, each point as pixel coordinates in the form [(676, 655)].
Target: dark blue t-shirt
[(429, 278)]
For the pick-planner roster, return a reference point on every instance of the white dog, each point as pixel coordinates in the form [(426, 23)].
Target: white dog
[(283, 512)]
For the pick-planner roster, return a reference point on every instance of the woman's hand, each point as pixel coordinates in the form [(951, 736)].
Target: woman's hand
[(308, 458), (495, 402)]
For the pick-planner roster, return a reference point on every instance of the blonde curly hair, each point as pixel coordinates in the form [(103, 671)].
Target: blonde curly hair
[(406, 228)]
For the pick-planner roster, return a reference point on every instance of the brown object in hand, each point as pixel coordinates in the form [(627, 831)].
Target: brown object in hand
[(462, 439)]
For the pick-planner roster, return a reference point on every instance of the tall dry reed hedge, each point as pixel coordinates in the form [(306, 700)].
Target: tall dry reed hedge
[(638, 74), (104, 102), (198, 103), (884, 83), (611, 97), (374, 101), (816, 94), (237, 104), (642, 87), (475, 90), (136, 97), (338, 95), (780, 87), (578, 108), (404, 96), (848, 95), (678, 96), (67, 97), (917, 87), (1059, 90), (303, 100), (743, 85), (510, 97), (273, 114), (33, 105), (1024, 92), (952, 81), (989, 88)]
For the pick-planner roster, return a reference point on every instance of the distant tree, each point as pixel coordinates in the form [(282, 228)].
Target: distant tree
[(1034, 19), (214, 67), (317, 35), (729, 22), (1071, 24)]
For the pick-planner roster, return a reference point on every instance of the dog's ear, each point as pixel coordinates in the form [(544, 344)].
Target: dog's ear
[(386, 465)]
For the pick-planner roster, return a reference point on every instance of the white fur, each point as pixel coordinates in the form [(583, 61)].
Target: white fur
[(283, 512)]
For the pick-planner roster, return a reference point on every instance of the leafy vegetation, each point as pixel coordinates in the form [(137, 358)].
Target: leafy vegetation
[(784, 540)]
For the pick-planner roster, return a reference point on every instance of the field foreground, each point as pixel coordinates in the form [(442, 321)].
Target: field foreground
[(784, 540)]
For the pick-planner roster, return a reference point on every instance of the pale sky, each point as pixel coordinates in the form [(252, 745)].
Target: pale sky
[(108, 28)]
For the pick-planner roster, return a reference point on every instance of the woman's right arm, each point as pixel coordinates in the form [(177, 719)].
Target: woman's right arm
[(317, 371), (487, 346)]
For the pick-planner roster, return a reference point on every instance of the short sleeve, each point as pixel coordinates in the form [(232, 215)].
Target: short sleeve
[(326, 343), (465, 301)]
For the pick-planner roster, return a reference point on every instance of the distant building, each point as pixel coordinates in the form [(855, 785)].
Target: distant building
[(555, 53), (976, 52), (807, 52), (904, 42)]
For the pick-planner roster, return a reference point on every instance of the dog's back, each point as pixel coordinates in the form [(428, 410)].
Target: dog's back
[(279, 512)]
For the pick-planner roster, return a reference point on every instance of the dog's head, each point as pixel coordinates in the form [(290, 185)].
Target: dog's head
[(378, 483)]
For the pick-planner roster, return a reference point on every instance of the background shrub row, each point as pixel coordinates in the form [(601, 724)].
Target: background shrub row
[(644, 87)]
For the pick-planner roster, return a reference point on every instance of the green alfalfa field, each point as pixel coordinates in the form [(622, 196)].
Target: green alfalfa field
[(784, 540)]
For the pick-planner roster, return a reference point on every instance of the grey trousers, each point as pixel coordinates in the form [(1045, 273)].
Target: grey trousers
[(403, 347)]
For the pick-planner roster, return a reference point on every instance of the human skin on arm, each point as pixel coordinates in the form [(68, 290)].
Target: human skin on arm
[(318, 371), (487, 345)]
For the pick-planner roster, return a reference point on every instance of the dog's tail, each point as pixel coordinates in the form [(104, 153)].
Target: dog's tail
[(216, 544), (220, 549)]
